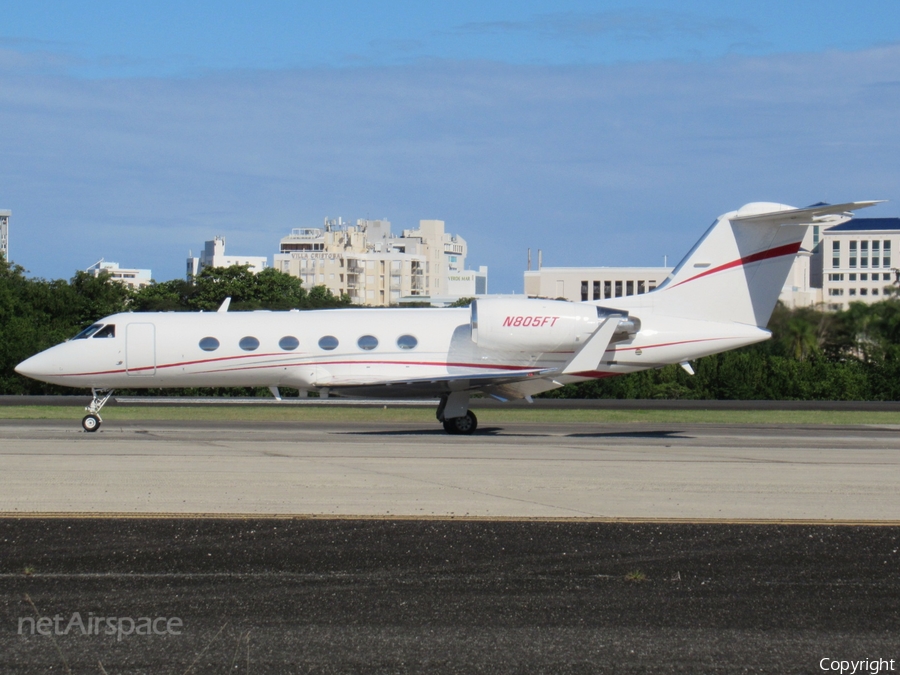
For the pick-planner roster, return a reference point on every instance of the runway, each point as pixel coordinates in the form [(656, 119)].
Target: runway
[(627, 471), (394, 548)]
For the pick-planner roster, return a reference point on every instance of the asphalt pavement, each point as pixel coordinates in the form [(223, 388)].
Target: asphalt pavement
[(300, 595)]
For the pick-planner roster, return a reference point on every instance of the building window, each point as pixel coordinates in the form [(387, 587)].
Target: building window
[(618, 289), (886, 276), (886, 252), (852, 276), (651, 286), (835, 291), (874, 291), (852, 291), (864, 277), (835, 254), (584, 291), (863, 291), (629, 288), (876, 253), (836, 277), (607, 289), (641, 287), (835, 307), (852, 255), (815, 235), (863, 254), (596, 295)]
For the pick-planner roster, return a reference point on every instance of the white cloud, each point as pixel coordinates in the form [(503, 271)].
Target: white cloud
[(595, 164)]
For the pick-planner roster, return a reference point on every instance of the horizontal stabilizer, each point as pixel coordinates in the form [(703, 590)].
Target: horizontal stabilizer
[(810, 214)]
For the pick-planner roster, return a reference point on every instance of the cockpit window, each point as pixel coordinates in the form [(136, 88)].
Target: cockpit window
[(108, 331), (87, 332)]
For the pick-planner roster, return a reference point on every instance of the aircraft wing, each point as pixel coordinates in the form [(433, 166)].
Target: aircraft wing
[(809, 214), (436, 386)]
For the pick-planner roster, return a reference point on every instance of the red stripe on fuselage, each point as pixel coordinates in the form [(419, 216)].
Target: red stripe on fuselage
[(298, 364)]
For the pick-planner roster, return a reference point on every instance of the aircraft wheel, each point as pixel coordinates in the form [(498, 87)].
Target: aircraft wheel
[(462, 425), (90, 422)]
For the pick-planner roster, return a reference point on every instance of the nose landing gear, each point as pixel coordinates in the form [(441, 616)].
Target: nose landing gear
[(92, 421)]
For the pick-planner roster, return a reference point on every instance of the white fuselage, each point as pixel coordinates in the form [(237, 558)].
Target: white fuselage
[(410, 345)]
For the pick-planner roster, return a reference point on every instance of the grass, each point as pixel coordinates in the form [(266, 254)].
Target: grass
[(426, 415)]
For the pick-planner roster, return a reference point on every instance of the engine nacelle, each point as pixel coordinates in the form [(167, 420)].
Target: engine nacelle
[(529, 324)]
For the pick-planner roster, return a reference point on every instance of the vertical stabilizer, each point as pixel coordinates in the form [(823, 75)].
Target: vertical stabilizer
[(737, 270)]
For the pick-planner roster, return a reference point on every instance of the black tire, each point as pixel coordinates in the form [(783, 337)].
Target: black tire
[(90, 423), (465, 425)]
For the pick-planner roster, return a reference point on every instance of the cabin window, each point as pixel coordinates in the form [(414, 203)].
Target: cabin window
[(108, 331), (289, 343), (87, 332), (367, 342), (249, 343), (407, 342), (328, 343), (209, 344)]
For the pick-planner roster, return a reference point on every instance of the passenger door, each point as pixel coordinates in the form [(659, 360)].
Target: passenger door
[(140, 349)]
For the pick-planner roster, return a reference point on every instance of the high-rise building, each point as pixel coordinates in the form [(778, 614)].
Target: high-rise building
[(4, 233), (374, 267)]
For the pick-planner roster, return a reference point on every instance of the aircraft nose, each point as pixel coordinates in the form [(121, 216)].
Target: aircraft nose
[(33, 367)]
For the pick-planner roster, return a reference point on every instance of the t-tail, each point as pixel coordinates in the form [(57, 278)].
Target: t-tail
[(735, 273)]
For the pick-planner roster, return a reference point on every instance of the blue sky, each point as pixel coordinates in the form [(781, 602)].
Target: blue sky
[(603, 133)]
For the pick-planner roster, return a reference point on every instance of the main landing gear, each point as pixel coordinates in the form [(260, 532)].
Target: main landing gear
[(461, 425), (453, 412), (92, 421)]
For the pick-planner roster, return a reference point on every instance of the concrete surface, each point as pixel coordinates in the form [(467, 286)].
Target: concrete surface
[(520, 470)]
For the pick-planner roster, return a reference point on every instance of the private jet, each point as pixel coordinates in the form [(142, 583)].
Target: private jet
[(719, 297)]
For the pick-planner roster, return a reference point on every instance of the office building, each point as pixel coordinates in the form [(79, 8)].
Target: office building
[(858, 259)]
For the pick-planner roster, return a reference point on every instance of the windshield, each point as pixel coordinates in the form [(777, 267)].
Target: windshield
[(87, 332)]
